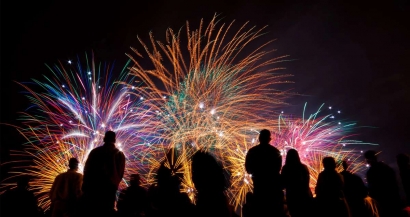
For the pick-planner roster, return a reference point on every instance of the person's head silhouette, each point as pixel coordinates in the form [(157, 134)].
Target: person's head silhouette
[(109, 137), (163, 175), (207, 173), (345, 165), (292, 157), (73, 163), (370, 156), (135, 180), (329, 163), (264, 136)]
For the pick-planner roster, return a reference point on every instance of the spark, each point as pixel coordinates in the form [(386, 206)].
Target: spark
[(212, 111)]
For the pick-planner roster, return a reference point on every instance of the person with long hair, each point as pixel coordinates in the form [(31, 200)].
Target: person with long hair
[(210, 182), (295, 176)]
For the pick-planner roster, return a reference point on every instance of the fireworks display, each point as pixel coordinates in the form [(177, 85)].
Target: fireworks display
[(69, 117), (206, 98), (214, 92), (315, 137)]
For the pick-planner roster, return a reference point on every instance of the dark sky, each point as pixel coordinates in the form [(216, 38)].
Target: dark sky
[(354, 57)]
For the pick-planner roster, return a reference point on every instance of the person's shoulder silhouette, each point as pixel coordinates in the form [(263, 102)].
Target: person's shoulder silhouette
[(133, 201), (329, 191), (383, 185), (207, 173), (263, 157), (19, 201), (103, 172), (105, 164), (66, 191), (295, 179), (330, 183), (263, 163), (380, 175), (210, 183), (166, 196), (354, 187)]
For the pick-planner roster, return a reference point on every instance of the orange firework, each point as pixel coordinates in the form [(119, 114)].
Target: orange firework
[(209, 93)]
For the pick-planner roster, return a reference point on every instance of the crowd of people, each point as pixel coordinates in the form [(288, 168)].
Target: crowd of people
[(277, 191)]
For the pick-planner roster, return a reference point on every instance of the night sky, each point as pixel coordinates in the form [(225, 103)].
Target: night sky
[(354, 57)]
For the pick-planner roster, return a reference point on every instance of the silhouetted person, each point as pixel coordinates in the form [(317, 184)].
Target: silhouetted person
[(264, 162), (210, 183), (403, 162), (153, 198), (66, 191), (103, 172), (133, 201), (247, 207), (19, 201), (356, 195), (383, 186), (295, 177), (329, 191), (167, 198)]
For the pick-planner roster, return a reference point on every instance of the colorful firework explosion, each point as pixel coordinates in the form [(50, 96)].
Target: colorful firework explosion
[(70, 115), (204, 94), (207, 100), (211, 96), (314, 138)]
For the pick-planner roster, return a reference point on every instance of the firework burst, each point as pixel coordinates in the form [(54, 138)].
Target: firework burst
[(314, 138), (211, 96), (69, 117)]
